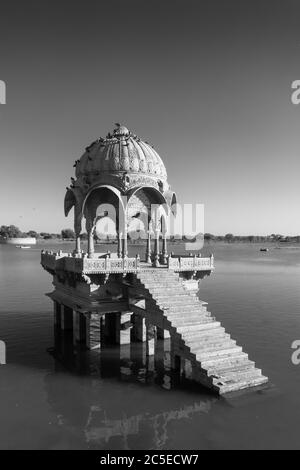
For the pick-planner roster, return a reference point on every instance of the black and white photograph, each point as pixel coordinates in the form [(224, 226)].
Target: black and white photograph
[(149, 228)]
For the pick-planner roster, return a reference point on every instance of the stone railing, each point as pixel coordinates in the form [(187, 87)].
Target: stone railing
[(191, 263), (49, 258), (110, 265), (83, 264)]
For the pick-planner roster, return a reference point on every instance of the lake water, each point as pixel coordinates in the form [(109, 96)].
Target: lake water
[(80, 400)]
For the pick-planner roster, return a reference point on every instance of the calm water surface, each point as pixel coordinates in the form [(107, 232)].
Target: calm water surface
[(79, 400)]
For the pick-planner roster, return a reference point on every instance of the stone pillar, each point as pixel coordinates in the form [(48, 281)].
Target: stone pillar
[(150, 337), (117, 328), (66, 318), (91, 248), (85, 326), (95, 331), (76, 334), (102, 330), (162, 334), (123, 340), (110, 327), (139, 328), (123, 328), (159, 360), (156, 248), (119, 244), (177, 364), (125, 250), (81, 329), (188, 370), (164, 249), (57, 314), (77, 246), (148, 249)]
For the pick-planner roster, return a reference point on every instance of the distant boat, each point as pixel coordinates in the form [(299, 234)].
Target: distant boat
[(24, 247), (264, 249)]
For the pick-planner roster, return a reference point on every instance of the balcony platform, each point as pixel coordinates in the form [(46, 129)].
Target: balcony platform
[(103, 263)]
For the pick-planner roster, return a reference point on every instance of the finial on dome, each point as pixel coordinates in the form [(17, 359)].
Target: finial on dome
[(120, 130)]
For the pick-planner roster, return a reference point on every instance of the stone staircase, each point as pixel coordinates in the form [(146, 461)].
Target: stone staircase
[(217, 361)]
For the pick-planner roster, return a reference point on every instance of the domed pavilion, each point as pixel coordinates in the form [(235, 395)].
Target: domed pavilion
[(125, 174), (103, 298)]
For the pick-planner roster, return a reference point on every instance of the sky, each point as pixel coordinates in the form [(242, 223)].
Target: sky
[(208, 83)]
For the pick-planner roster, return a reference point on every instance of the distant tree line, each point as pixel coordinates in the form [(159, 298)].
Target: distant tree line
[(230, 238), (11, 231)]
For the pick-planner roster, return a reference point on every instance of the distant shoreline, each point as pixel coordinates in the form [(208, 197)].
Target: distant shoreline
[(211, 243)]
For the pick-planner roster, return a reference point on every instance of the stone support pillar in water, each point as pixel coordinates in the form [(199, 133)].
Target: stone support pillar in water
[(151, 338), (177, 363), (57, 313), (95, 331), (110, 328), (124, 325), (81, 329), (139, 328), (66, 318), (162, 334)]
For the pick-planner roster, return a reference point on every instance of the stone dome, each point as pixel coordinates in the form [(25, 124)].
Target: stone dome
[(121, 151)]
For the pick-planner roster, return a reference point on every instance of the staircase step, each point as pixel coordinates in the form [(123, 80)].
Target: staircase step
[(239, 375), (166, 290), (175, 301), (187, 309), (195, 339), (187, 314), (203, 335), (182, 314), (212, 346), (240, 385), (214, 362), (243, 364), (199, 326), (217, 352), (191, 323)]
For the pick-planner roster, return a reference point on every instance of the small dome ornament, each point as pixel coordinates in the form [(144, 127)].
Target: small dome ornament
[(120, 130)]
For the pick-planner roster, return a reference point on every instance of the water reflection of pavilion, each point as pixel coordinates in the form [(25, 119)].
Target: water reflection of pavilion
[(107, 412)]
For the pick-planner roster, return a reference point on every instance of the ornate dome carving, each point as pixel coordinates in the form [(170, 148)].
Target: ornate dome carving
[(121, 151)]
